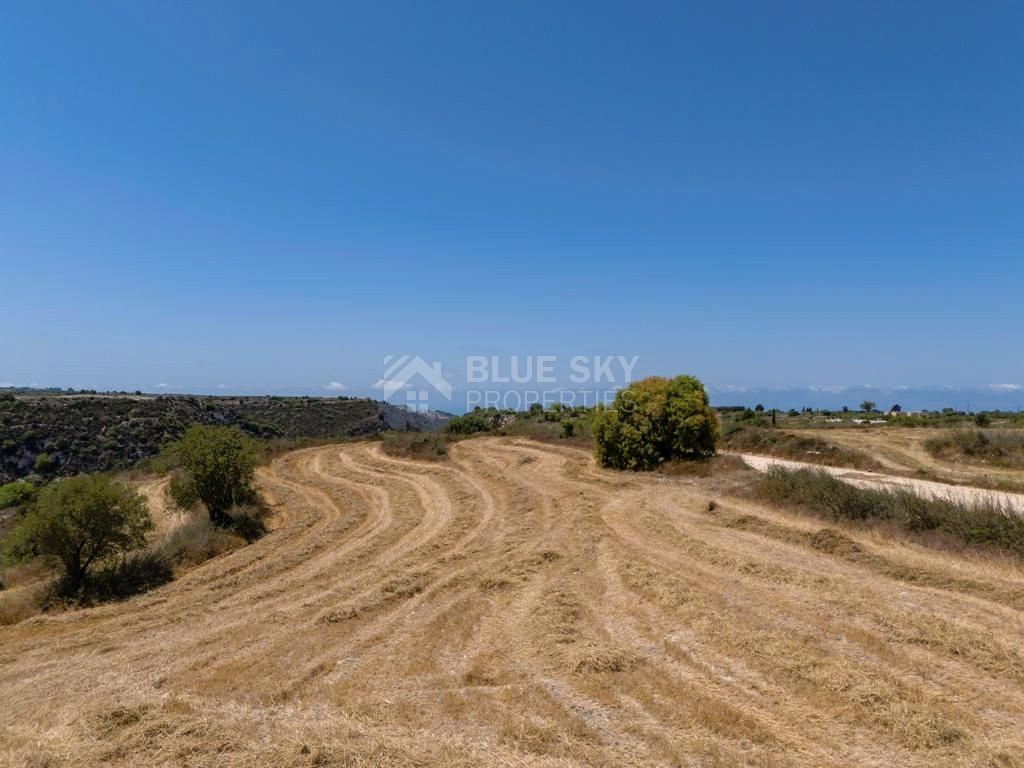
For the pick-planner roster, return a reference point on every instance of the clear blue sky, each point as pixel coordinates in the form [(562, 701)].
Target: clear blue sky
[(272, 197)]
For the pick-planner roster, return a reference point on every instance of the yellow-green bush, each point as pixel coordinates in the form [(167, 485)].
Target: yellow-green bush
[(656, 420)]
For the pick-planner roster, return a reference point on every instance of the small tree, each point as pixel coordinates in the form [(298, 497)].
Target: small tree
[(868, 406), (759, 408), (654, 421), (897, 408), (219, 466), (80, 522)]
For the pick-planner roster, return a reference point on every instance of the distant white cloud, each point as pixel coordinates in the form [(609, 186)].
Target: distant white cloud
[(162, 385), (222, 386), (1006, 387), (834, 389), (6, 384), (336, 386)]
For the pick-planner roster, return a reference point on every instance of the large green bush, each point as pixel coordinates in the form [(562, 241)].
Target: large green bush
[(656, 420)]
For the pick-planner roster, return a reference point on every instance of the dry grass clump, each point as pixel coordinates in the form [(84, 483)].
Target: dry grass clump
[(197, 541)]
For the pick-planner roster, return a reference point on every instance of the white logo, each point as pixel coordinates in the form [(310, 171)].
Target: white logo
[(399, 372)]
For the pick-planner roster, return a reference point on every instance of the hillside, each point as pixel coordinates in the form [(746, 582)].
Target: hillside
[(518, 606), (89, 433)]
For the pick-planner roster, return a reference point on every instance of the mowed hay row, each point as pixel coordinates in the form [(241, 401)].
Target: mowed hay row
[(516, 605)]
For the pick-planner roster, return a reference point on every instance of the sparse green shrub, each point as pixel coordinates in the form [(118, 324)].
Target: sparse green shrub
[(568, 428), (654, 421)]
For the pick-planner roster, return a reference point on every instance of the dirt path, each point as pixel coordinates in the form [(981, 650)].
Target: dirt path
[(926, 488), (517, 606)]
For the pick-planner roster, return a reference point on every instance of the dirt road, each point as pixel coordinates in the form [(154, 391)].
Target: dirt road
[(516, 606), (927, 488)]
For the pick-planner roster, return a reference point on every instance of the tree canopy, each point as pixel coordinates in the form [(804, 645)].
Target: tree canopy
[(80, 522), (656, 420)]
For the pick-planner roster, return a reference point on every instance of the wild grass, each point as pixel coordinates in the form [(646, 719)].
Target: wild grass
[(999, 447), (799, 447), (987, 525)]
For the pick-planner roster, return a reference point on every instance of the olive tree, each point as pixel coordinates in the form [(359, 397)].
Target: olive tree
[(81, 522), (656, 420)]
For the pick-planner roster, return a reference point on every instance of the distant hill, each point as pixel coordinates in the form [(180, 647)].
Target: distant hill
[(59, 433)]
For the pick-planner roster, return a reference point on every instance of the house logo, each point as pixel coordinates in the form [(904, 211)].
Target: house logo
[(399, 373)]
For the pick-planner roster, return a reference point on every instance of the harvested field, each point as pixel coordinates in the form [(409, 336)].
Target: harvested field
[(516, 606)]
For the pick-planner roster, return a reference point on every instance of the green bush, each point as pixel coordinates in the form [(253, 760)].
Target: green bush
[(654, 421), (17, 493), (471, 423), (219, 463)]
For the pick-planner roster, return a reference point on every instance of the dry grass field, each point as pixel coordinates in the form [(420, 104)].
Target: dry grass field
[(902, 450), (516, 606)]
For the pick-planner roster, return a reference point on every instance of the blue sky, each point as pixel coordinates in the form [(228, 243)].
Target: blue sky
[(266, 197)]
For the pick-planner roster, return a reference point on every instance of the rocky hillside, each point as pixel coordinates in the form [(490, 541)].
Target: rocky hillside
[(65, 435)]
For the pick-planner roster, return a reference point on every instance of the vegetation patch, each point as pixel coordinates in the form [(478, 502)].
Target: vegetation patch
[(975, 524), (653, 421), (57, 436), (424, 446), (999, 447), (786, 445)]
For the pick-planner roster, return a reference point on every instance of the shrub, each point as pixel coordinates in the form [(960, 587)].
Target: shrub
[(17, 493), (471, 423), (81, 522), (196, 542), (654, 421), (998, 446), (220, 464), (133, 574), (43, 464)]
